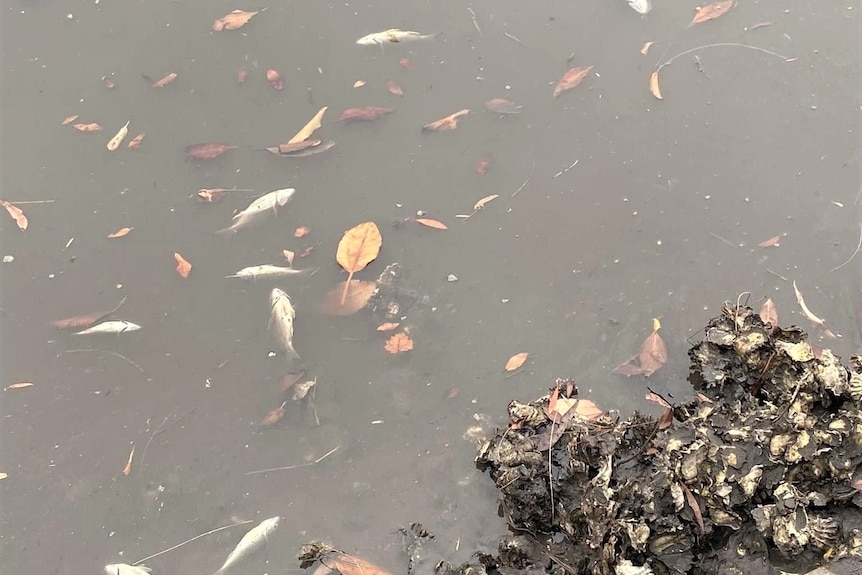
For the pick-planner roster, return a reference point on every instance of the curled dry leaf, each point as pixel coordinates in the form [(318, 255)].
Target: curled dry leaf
[(184, 268), (136, 141), (166, 81), (711, 11), (91, 127), (234, 20), (16, 214), (516, 361), (358, 247), (207, 151), (394, 88), (366, 114), (120, 233), (571, 79), (771, 242), (80, 322), (309, 128), (388, 326), (274, 416), (651, 357), (654, 87), (445, 124), (482, 166), (69, 119), (358, 294), (275, 80), (431, 223), (645, 48), (359, 83), (301, 232), (769, 313), (399, 343), (484, 201)]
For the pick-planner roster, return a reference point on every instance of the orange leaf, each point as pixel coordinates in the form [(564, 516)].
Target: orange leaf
[(516, 361), (166, 81), (17, 214), (358, 294), (351, 565), (394, 88), (70, 119), (128, 468), (711, 11), (358, 247), (274, 416), (571, 79), (388, 326), (120, 233), (399, 343), (431, 223), (275, 80), (207, 151), (653, 86), (136, 142), (646, 48), (769, 313), (184, 268), (445, 124), (92, 127), (234, 20), (771, 242), (301, 231)]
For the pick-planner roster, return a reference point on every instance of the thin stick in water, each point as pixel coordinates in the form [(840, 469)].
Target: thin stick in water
[(298, 465), (512, 38), (114, 353), (195, 538), (21, 203), (527, 181), (856, 251), (561, 172), (720, 44), (150, 440)]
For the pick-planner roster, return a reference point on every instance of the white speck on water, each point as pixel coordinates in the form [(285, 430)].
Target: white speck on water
[(8, 259), (51, 276), (658, 243), (451, 278), (504, 300)]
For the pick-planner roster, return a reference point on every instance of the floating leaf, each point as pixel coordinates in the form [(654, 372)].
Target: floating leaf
[(275, 80), (301, 232), (358, 247), (358, 294), (208, 151), (571, 79), (115, 142), (405, 63), (771, 242), (184, 268), (366, 114), (394, 88), (166, 81), (92, 127), (17, 214), (502, 106), (301, 149), (431, 223), (120, 233), (350, 564), (108, 83), (653, 86), (21, 385), (69, 119), (274, 416), (399, 343), (645, 48), (482, 166), (234, 20), (388, 326), (302, 389), (481, 203), (445, 124), (516, 361), (136, 141), (359, 83), (128, 468), (651, 357), (769, 313), (241, 75), (312, 125), (711, 11)]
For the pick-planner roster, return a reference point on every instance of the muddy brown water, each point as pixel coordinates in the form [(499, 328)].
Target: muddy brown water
[(572, 268)]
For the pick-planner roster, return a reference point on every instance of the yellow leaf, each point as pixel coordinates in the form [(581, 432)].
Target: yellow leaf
[(653, 85), (120, 233), (516, 361), (358, 247), (656, 324), (307, 130)]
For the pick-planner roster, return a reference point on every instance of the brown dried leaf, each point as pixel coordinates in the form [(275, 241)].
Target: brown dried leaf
[(17, 214), (431, 223), (388, 326), (398, 343), (275, 80), (80, 322), (516, 361), (695, 508), (769, 313), (274, 416), (166, 81), (136, 141), (69, 119), (184, 268), (482, 166), (445, 124), (711, 11), (291, 149), (358, 247), (394, 88), (128, 468), (481, 203), (646, 48), (771, 242), (654, 87), (358, 294), (234, 20), (120, 233), (210, 195), (91, 127), (366, 114), (301, 232), (571, 79), (350, 565), (207, 151), (312, 125), (653, 354)]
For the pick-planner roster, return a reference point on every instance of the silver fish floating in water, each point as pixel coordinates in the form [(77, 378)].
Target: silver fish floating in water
[(283, 314), (393, 36), (259, 207), (250, 543), (266, 270), (115, 327), (126, 569), (640, 6)]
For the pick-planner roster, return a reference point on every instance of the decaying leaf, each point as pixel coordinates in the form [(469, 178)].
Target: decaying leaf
[(445, 124), (481, 203), (358, 294), (769, 313), (358, 247), (91, 127), (810, 315), (275, 80), (394, 88), (234, 20), (502, 106), (654, 87), (645, 48), (771, 242), (482, 166), (288, 380), (166, 81), (135, 143), (207, 151), (399, 343), (20, 385), (359, 83), (666, 418), (651, 357), (69, 119), (184, 268), (350, 565), (120, 233), (128, 468), (301, 149), (274, 416), (711, 11), (16, 214), (301, 232), (388, 326), (300, 390), (516, 361), (366, 114), (431, 223), (312, 125), (571, 79)]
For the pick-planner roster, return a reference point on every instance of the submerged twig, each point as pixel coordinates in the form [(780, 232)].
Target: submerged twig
[(561, 172), (21, 203), (475, 21), (669, 61), (195, 538), (527, 181), (315, 462), (510, 37), (150, 440), (114, 353), (856, 251)]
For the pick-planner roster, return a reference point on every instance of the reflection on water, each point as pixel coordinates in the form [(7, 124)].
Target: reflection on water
[(625, 199)]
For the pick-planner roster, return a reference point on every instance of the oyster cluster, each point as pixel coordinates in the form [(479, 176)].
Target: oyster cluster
[(760, 473)]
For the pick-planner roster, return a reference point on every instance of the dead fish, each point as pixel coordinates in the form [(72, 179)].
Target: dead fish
[(116, 327), (80, 322), (126, 569), (267, 270), (283, 314), (640, 6), (250, 542), (393, 36), (262, 205)]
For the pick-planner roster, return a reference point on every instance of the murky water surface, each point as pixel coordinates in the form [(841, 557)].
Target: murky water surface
[(661, 217)]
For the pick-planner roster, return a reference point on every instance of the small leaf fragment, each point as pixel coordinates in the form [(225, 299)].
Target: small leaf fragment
[(91, 127), (772, 242), (445, 124), (274, 416), (301, 232), (653, 86), (166, 81), (399, 343), (69, 119), (711, 11), (234, 20), (394, 88), (516, 361), (275, 80), (207, 151), (288, 255), (571, 79), (128, 468), (135, 143), (358, 83), (21, 385), (769, 313), (645, 48), (366, 114), (388, 326), (16, 214), (481, 203), (482, 166), (431, 223), (184, 268), (120, 233)]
